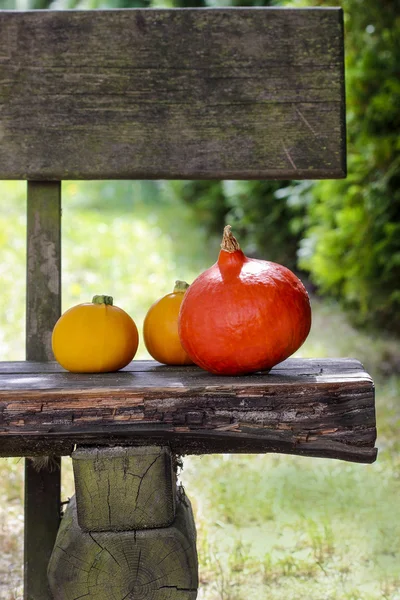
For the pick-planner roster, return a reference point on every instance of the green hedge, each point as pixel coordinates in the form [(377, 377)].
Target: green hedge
[(352, 243)]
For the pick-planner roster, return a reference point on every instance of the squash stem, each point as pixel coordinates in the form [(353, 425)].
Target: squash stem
[(229, 242), (180, 286), (101, 299)]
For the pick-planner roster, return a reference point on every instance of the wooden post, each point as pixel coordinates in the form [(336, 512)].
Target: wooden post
[(154, 560), (124, 488), (42, 519), (43, 307)]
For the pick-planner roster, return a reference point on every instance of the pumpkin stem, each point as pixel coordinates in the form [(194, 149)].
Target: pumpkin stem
[(229, 242), (103, 300), (180, 286)]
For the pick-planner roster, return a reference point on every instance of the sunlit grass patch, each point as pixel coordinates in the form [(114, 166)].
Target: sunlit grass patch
[(334, 526)]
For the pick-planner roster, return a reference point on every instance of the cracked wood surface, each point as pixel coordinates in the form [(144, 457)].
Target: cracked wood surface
[(313, 407), (152, 564), (124, 488), (222, 93)]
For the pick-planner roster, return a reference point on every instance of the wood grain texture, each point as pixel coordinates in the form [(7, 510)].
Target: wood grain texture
[(244, 93), (43, 307), (43, 290), (153, 564), (322, 407), (120, 489), (42, 519)]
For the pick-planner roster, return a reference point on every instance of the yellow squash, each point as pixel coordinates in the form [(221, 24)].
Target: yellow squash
[(160, 328), (95, 337)]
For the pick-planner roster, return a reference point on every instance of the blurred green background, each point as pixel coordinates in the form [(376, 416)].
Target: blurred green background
[(270, 527)]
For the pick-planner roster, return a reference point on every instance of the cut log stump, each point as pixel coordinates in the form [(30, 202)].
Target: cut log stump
[(121, 489), (152, 564)]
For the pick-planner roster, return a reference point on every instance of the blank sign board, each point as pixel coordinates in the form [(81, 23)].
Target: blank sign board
[(239, 93)]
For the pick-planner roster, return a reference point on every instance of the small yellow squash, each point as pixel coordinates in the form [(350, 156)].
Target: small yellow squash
[(95, 337), (160, 328)]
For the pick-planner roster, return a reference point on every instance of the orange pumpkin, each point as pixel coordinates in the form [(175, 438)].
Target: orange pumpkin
[(160, 328), (95, 337), (243, 315)]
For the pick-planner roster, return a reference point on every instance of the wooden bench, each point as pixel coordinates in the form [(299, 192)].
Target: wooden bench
[(150, 94)]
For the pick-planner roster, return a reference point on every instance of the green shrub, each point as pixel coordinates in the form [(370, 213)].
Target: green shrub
[(266, 219), (352, 244)]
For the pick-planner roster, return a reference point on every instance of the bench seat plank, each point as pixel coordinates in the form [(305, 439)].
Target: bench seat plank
[(222, 93), (313, 407)]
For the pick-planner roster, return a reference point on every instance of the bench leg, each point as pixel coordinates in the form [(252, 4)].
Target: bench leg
[(128, 533), (42, 519), (43, 307)]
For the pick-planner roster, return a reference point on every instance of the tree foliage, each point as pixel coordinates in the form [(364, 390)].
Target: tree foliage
[(352, 243)]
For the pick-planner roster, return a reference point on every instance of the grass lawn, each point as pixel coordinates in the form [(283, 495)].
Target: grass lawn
[(269, 527)]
